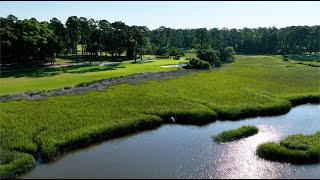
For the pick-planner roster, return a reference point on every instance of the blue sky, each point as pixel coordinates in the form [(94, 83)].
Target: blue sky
[(178, 14)]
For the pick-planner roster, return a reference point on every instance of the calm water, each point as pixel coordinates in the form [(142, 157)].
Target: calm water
[(176, 151)]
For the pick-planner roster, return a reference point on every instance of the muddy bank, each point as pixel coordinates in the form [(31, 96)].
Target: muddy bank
[(98, 85)]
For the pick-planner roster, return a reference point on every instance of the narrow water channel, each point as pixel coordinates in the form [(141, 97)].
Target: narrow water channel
[(179, 151)]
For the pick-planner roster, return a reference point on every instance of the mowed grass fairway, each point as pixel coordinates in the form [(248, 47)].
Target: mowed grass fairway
[(53, 78), (253, 85)]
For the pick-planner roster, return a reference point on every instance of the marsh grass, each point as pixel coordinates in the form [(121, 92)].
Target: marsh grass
[(13, 163), (303, 57), (252, 86), (308, 60), (298, 149), (236, 134)]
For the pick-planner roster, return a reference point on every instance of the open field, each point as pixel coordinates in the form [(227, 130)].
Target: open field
[(53, 78), (299, 149), (252, 86)]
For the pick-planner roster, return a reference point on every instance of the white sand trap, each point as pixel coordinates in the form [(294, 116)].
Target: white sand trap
[(170, 66), (174, 65)]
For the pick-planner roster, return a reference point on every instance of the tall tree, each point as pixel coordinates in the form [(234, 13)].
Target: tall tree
[(202, 38), (8, 37), (314, 45), (85, 32), (61, 34), (119, 36), (138, 40), (74, 32)]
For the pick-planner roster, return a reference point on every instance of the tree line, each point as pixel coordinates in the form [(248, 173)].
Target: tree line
[(28, 40)]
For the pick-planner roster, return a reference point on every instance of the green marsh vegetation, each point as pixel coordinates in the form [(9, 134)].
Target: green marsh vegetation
[(251, 86), (232, 135), (298, 149), (303, 59), (13, 163)]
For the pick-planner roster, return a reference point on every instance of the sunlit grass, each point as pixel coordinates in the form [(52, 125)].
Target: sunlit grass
[(231, 135), (42, 80), (190, 55), (12, 163), (252, 86), (300, 149)]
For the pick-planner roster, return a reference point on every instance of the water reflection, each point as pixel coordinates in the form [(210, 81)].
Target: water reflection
[(176, 151), (239, 159)]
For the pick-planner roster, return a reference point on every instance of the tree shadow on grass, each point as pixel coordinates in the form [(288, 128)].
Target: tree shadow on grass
[(87, 58), (77, 69), (142, 62)]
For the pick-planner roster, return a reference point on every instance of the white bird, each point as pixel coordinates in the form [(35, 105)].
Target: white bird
[(173, 119)]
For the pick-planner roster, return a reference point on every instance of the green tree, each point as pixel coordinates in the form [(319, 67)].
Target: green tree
[(104, 28), (61, 34), (119, 35), (8, 38), (314, 40), (202, 38), (162, 38), (73, 32), (85, 32), (93, 43), (139, 39), (227, 55), (26, 41), (209, 55)]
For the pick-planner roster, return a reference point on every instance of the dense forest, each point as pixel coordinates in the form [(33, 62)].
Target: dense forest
[(26, 41)]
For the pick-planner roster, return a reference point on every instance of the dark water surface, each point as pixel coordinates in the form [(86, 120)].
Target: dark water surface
[(179, 151)]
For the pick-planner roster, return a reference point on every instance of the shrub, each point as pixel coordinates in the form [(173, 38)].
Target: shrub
[(285, 57), (161, 51), (231, 135), (217, 63), (227, 55), (209, 55), (197, 64), (176, 52)]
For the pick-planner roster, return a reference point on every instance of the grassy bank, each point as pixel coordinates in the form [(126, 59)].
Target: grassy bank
[(232, 135), (299, 149), (304, 57), (252, 86), (13, 163), (54, 78), (308, 60), (312, 64)]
